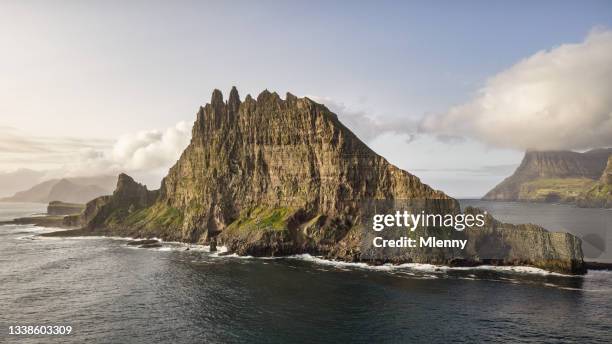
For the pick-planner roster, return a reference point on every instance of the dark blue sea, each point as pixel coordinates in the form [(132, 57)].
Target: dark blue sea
[(109, 292)]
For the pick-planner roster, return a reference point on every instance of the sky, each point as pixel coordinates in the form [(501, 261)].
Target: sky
[(453, 92)]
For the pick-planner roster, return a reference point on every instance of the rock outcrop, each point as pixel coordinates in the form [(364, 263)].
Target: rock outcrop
[(63, 208), (552, 176), (272, 176), (128, 198)]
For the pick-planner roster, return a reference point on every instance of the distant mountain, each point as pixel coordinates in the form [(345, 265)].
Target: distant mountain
[(552, 176), (21, 179), (72, 190)]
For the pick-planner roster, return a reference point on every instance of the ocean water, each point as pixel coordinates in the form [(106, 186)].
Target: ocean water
[(9, 211), (111, 293)]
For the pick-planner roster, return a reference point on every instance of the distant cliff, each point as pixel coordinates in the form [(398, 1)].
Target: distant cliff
[(552, 176), (269, 176)]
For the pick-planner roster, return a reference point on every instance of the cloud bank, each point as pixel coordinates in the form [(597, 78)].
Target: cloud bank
[(556, 99)]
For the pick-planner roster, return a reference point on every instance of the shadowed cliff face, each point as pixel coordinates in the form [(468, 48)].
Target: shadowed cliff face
[(606, 176), (540, 171), (269, 176), (600, 194)]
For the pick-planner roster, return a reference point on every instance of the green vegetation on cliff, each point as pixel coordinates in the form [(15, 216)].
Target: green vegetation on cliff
[(156, 217), (262, 218), (554, 189)]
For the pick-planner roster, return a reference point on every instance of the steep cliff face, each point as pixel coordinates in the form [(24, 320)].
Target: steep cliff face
[(552, 176), (269, 176)]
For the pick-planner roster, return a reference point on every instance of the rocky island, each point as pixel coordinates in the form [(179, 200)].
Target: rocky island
[(271, 176)]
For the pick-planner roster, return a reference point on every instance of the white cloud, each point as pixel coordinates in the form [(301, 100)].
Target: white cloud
[(556, 99), (147, 155), (152, 149)]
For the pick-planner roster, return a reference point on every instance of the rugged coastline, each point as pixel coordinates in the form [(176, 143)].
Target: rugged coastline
[(273, 177)]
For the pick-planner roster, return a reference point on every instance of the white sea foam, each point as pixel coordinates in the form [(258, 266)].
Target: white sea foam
[(430, 268), (515, 269), (233, 255), (169, 246)]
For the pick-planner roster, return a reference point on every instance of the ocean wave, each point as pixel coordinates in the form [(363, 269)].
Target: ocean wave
[(430, 268)]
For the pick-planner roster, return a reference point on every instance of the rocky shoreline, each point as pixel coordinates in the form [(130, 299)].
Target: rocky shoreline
[(155, 243), (41, 221), (277, 177)]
